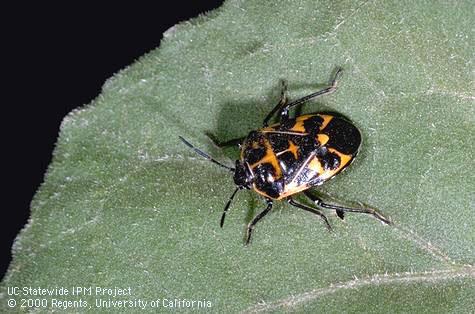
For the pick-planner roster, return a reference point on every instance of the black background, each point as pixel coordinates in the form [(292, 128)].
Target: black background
[(56, 58)]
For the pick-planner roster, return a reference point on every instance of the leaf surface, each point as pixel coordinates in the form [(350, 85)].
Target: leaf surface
[(126, 204)]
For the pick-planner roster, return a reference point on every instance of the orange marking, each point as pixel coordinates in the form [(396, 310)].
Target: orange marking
[(326, 119), (304, 117), (316, 166), (293, 149), (271, 158), (285, 132), (292, 189), (322, 138), (344, 160), (269, 128), (298, 127), (299, 122)]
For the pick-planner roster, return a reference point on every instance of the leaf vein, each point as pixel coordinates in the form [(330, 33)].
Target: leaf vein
[(374, 280)]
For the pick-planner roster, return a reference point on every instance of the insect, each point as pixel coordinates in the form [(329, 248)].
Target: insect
[(292, 156)]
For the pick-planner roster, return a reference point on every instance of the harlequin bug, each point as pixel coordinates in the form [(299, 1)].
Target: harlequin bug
[(294, 155)]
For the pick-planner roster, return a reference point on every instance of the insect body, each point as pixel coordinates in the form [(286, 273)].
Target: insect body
[(301, 153), (294, 155)]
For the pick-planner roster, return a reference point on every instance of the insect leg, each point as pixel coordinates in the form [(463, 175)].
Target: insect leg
[(342, 209), (280, 106), (231, 142), (312, 210), (227, 207), (327, 90), (256, 219)]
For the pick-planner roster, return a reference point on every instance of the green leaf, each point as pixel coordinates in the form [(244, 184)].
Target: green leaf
[(126, 204)]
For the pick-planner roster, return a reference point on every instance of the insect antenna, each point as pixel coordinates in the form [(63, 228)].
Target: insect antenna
[(227, 207), (205, 155)]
